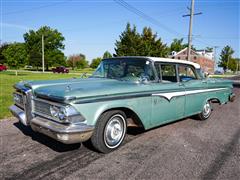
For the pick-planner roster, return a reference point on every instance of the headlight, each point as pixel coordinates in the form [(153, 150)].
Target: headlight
[(17, 98), (54, 111), (66, 114)]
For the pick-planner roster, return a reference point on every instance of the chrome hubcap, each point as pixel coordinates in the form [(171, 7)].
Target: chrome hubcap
[(114, 131), (206, 109)]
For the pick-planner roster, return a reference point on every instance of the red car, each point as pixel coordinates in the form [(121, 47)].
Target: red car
[(3, 68), (60, 69)]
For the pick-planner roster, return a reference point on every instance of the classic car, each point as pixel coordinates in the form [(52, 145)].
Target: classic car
[(3, 68), (60, 69), (124, 91)]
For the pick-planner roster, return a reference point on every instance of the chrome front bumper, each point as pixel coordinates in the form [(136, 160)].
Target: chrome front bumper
[(65, 133)]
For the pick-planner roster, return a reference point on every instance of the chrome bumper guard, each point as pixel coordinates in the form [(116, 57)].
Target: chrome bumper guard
[(19, 114), (65, 133)]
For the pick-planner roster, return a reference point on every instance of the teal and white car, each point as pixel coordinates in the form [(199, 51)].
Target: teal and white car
[(122, 92)]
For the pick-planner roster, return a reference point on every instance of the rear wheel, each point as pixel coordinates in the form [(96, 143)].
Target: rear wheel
[(206, 112), (110, 131)]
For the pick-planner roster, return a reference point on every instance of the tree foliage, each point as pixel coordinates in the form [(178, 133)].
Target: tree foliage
[(107, 55), (232, 64), (225, 57), (95, 62), (177, 45), (77, 61), (2, 48), (53, 44), (16, 55), (209, 49), (131, 43)]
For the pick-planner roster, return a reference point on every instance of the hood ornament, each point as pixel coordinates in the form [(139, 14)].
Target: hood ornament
[(68, 88)]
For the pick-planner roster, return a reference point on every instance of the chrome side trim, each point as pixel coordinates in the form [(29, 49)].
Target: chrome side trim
[(170, 95)]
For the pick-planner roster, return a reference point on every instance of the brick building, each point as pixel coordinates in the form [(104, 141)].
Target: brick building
[(204, 58)]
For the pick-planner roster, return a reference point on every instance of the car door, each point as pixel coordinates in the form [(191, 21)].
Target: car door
[(168, 99), (194, 89)]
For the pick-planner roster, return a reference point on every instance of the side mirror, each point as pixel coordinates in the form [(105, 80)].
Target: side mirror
[(206, 74)]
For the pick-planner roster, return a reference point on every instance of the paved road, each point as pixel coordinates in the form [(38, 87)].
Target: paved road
[(187, 149)]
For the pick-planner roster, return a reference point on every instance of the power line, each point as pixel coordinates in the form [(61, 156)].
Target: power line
[(150, 19), (145, 16)]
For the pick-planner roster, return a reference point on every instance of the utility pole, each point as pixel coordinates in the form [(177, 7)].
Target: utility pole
[(215, 56), (43, 54), (190, 28)]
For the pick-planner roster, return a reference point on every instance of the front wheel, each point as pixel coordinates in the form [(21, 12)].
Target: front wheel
[(110, 131), (206, 112)]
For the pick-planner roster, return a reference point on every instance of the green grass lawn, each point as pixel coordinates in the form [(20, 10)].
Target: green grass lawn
[(221, 76), (8, 79)]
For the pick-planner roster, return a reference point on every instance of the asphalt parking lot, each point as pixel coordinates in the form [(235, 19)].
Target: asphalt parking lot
[(187, 149)]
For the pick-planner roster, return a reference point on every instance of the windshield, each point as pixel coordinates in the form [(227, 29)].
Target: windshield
[(125, 69)]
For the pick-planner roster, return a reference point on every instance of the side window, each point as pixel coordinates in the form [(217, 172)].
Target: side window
[(168, 73), (186, 73)]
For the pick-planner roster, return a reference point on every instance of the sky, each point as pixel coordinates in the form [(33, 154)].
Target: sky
[(92, 27)]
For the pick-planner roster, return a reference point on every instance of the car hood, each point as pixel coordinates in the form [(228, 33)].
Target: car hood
[(71, 89)]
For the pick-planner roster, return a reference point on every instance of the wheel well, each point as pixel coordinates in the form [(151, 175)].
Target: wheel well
[(214, 100), (132, 118)]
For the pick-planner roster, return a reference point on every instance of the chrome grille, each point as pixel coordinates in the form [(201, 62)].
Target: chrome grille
[(41, 108)]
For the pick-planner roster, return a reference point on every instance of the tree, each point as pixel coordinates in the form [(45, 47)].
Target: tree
[(82, 62), (78, 60), (131, 43), (2, 48), (238, 64), (95, 62), (57, 58), (210, 49), (150, 45), (16, 55), (225, 56), (177, 45), (128, 43), (107, 55), (53, 44), (232, 64)]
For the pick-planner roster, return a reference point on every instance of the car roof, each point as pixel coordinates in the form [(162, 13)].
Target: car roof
[(156, 59), (167, 60)]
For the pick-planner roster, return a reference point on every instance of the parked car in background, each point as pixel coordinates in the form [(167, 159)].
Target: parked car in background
[(60, 69), (129, 91), (218, 72), (28, 67), (3, 68)]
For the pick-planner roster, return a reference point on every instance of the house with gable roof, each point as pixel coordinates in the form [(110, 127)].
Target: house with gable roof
[(204, 58)]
